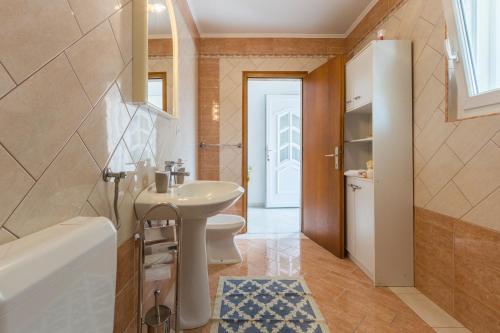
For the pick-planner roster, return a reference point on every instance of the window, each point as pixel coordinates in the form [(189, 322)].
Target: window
[(473, 48), (157, 89)]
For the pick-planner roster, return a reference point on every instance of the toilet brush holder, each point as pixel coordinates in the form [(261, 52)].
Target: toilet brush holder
[(158, 317)]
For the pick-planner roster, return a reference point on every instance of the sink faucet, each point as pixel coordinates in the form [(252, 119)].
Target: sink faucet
[(176, 172)]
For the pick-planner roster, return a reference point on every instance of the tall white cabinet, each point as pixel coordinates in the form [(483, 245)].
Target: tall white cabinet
[(378, 127)]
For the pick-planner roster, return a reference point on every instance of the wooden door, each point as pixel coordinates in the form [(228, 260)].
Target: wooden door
[(322, 179)]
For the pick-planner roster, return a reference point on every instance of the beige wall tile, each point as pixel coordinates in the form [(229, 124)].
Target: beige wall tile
[(418, 162), (391, 27), (124, 82), (487, 212), (436, 39), (102, 194), (471, 135), (14, 184), (29, 114), (104, 127), (138, 132), (433, 135), (145, 173), (450, 201), (121, 23), (34, 32), (480, 176), (6, 83), (163, 133), (496, 139), (90, 13), (440, 72), (432, 11), (124, 2), (423, 69), (96, 60), (59, 194), (432, 95), (88, 210), (422, 194), (440, 169), (421, 32), (6, 236), (128, 219)]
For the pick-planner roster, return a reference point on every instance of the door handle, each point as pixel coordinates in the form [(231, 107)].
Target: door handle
[(355, 187), (335, 155), (268, 154)]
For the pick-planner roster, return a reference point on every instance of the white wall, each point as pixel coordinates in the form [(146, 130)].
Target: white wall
[(257, 90), (176, 138)]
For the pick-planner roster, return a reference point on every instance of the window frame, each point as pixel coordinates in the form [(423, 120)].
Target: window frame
[(163, 77), (462, 104)]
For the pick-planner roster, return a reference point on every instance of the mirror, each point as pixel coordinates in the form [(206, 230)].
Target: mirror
[(155, 65)]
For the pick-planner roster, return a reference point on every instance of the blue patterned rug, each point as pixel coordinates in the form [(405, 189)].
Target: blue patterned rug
[(266, 304)]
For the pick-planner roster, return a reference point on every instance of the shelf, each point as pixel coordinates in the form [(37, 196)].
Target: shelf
[(369, 139), (364, 109)]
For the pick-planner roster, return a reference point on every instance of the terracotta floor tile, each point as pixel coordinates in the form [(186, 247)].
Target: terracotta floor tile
[(345, 296)]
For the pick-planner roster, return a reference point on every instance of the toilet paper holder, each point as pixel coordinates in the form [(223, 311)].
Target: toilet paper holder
[(167, 211)]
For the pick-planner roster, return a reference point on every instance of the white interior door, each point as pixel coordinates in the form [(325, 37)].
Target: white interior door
[(283, 150)]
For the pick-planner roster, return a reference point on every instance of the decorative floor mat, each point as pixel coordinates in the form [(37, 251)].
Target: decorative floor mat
[(266, 304)]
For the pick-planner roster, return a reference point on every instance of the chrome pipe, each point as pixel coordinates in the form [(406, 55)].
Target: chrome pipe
[(107, 176)]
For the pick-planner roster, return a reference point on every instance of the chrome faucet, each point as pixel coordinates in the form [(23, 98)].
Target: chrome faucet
[(107, 176), (176, 172)]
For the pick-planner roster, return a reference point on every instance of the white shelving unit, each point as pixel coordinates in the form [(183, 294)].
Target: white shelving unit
[(378, 127)]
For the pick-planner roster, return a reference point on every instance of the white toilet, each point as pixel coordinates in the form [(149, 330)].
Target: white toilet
[(60, 279), (221, 248)]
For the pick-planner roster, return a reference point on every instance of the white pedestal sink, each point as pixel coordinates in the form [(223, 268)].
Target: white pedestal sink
[(197, 201)]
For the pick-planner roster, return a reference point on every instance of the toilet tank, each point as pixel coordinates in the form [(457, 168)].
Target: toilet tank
[(60, 280)]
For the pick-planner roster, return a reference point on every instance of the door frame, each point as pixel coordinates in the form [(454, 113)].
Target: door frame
[(244, 169)]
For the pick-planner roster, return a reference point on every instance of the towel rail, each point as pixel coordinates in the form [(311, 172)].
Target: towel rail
[(220, 145)]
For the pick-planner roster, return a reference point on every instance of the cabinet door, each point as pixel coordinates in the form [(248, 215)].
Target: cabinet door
[(350, 219), (365, 230), (362, 82), (349, 68)]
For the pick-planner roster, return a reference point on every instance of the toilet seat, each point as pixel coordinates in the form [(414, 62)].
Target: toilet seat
[(225, 221), (221, 247)]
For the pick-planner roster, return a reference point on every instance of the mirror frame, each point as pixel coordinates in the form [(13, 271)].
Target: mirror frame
[(140, 57)]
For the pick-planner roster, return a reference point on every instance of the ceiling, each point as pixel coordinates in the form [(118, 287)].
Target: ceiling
[(158, 19), (275, 18)]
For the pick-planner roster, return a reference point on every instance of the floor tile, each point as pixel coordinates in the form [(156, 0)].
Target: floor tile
[(273, 221), (404, 290), (345, 296), (452, 330), (428, 311)]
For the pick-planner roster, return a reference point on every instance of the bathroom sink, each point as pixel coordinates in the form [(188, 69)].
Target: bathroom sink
[(196, 201)]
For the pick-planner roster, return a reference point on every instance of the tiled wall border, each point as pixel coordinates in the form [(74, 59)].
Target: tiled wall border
[(458, 267), (219, 47)]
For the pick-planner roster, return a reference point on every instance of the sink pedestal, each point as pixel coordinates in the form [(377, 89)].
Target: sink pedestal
[(194, 290), (196, 202)]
